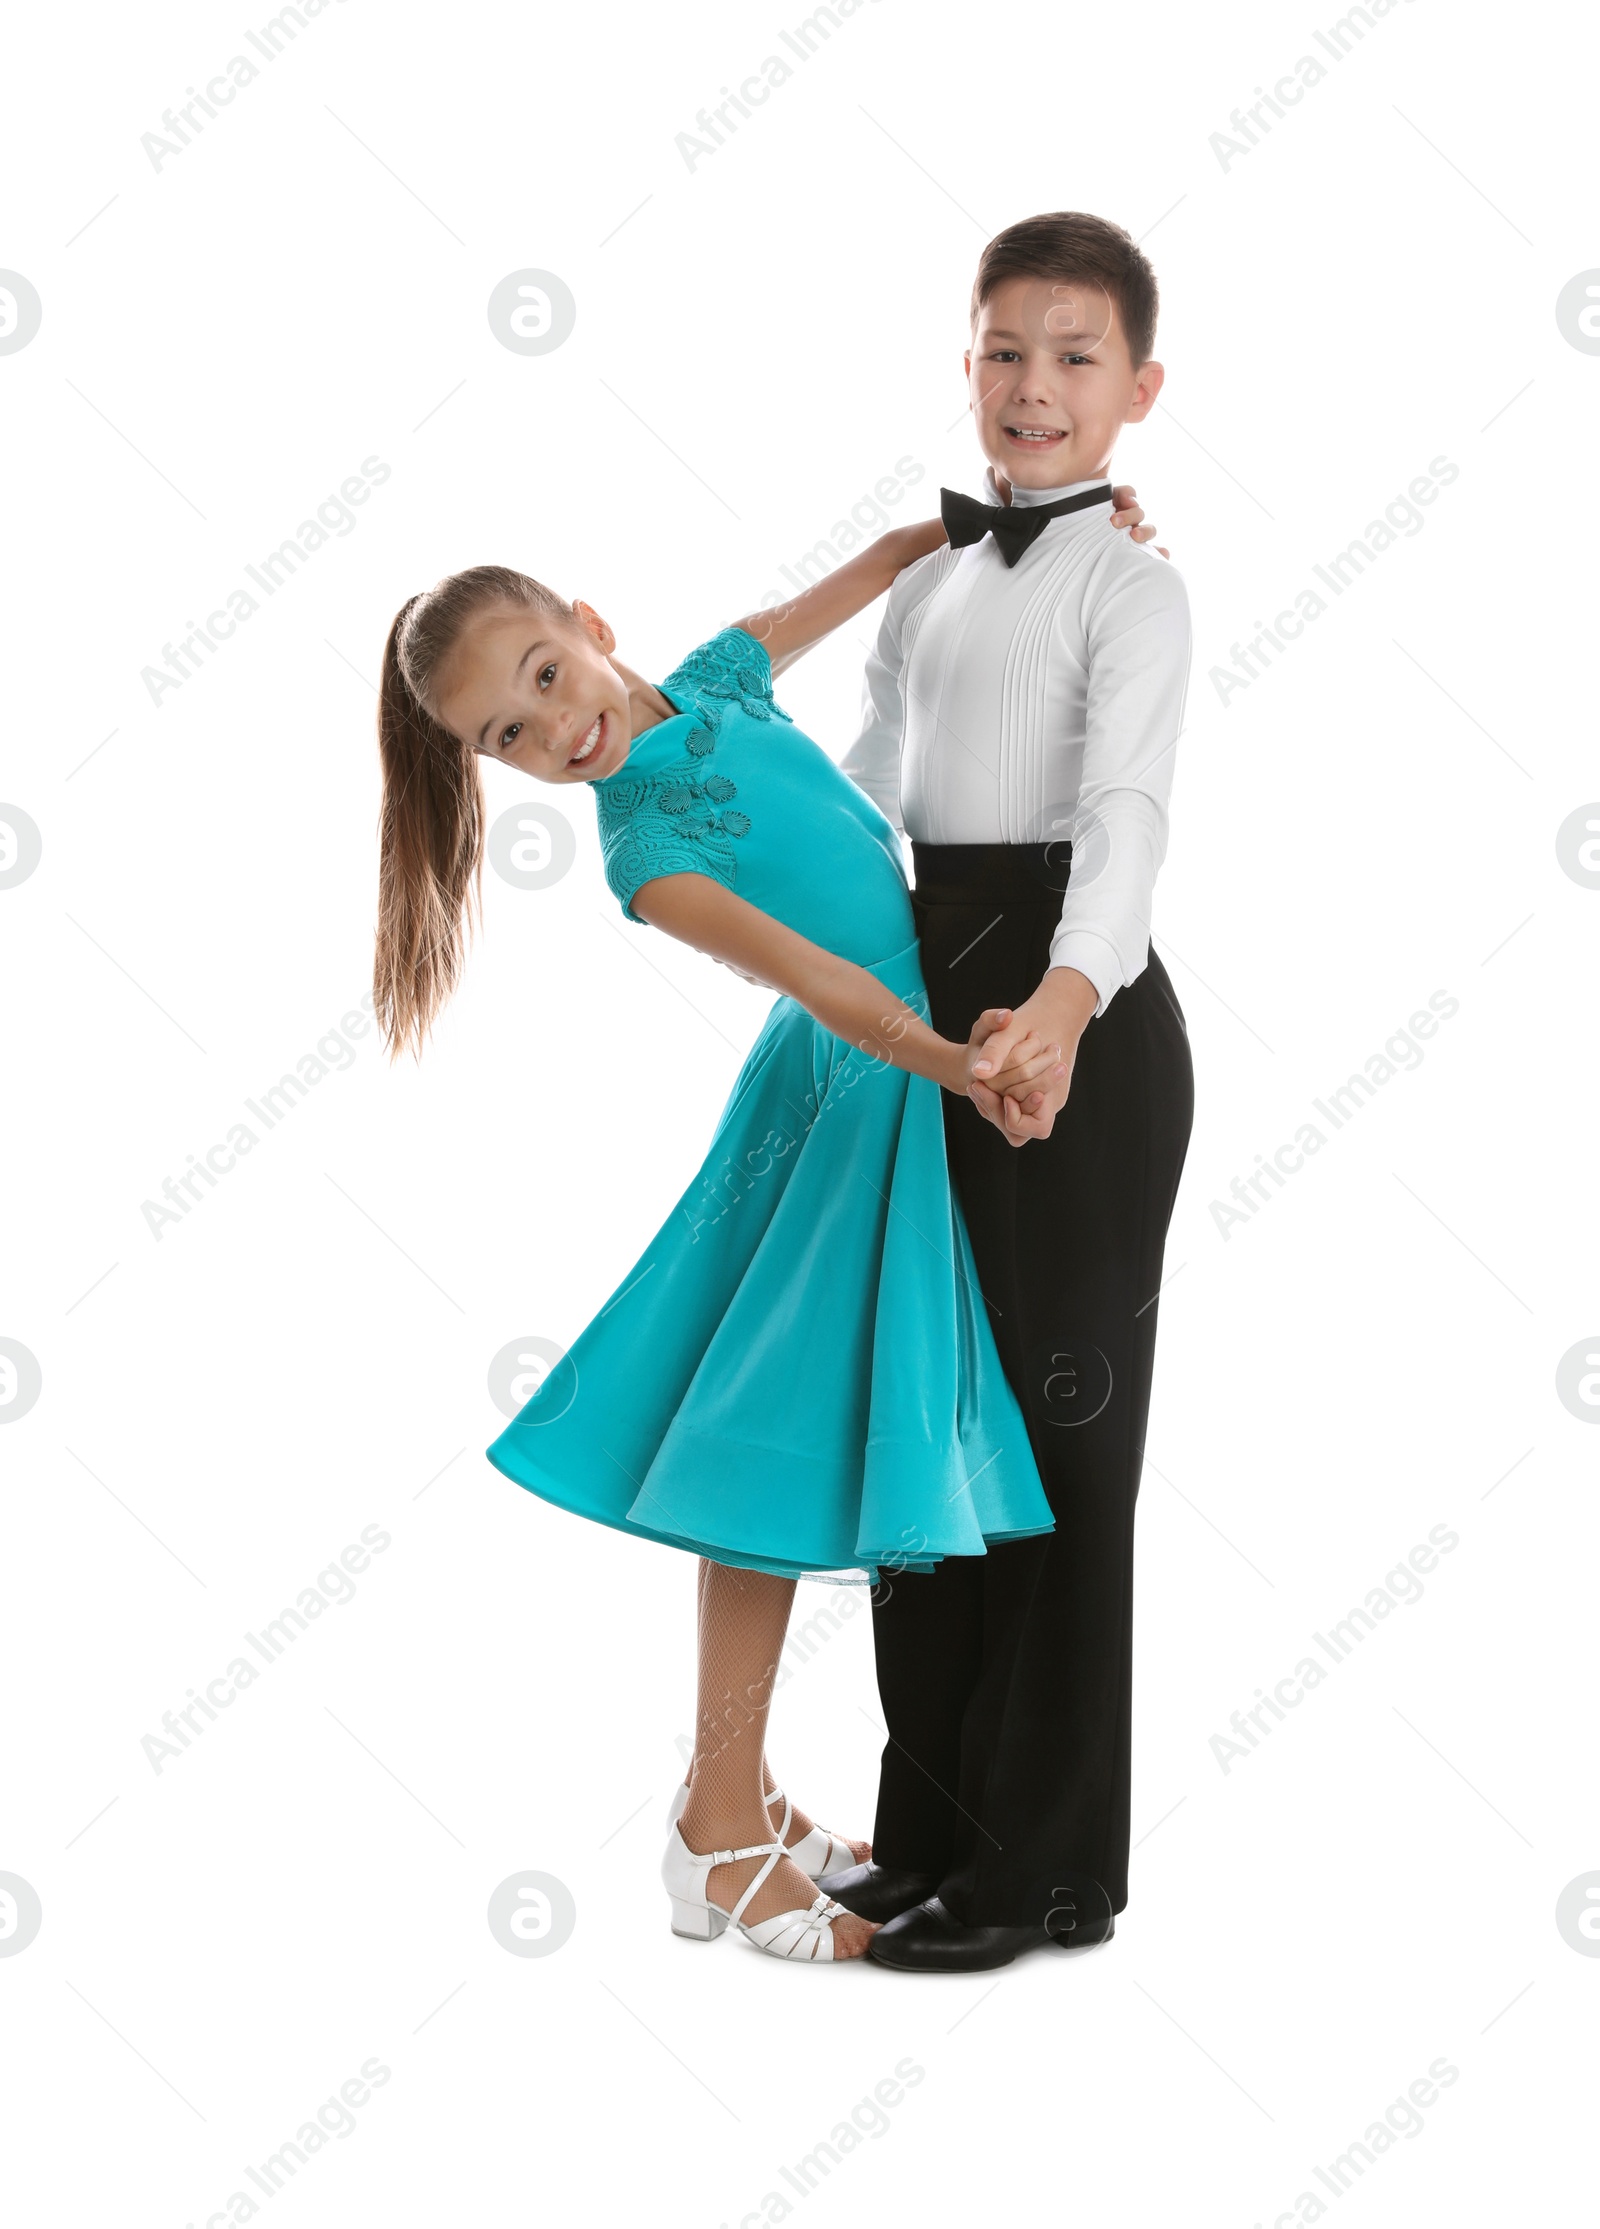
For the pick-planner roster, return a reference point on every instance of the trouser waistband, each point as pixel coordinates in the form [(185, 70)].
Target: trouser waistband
[(984, 874)]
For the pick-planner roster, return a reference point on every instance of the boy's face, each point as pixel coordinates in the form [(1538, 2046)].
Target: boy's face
[(1052, 383)]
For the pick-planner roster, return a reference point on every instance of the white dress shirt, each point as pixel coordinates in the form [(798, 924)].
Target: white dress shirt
[(1030, 703)]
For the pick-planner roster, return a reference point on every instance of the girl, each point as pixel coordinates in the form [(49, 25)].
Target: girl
[(798, 1377)]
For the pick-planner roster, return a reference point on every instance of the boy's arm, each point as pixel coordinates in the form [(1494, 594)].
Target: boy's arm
[(873, 759), (1138, 642)]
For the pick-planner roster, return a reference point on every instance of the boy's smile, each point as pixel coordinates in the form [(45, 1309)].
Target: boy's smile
[(1052, 383)]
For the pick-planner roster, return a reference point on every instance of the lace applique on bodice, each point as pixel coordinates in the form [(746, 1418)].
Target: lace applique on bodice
[(680, 818)]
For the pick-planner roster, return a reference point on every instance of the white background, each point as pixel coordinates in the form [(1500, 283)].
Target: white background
[(305, 1352)]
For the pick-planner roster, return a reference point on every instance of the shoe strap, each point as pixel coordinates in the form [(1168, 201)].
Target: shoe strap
[(774, 1851), (729, 1857)]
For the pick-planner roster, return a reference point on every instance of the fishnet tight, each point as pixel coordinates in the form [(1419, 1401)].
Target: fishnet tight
[(743, 1617)]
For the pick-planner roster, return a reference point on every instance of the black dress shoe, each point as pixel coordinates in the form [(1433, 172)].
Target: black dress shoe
[(877, 1892), (931, 1940)]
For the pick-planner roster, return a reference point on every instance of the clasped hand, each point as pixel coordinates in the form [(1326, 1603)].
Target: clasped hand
[(1020, 1060), (1009, 1075)]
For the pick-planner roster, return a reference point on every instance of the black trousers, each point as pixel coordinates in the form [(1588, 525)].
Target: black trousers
[(1005, 1679)]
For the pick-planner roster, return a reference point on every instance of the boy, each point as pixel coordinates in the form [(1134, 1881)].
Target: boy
[(1021, 710)]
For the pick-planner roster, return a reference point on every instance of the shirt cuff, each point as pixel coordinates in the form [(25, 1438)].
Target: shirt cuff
[(1093, 956)]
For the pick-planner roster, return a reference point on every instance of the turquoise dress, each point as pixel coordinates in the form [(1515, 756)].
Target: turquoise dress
[(798, 1375)]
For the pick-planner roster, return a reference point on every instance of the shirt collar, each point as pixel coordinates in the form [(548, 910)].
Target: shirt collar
[(1024, 499)]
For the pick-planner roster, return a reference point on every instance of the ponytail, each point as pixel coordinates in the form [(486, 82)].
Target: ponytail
[(431, 822)]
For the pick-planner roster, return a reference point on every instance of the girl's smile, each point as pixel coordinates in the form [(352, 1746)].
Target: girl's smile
[(586, 747)]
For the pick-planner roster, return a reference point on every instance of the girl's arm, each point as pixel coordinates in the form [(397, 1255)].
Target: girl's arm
[(788, 630), (844, 998)]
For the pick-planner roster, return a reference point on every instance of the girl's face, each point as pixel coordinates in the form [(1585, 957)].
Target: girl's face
[(539, 693)]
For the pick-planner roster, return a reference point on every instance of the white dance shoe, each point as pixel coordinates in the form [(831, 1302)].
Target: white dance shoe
[(804, 1935), (816, 1852)]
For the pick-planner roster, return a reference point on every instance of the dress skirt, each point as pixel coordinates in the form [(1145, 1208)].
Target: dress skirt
[(798, 1375)]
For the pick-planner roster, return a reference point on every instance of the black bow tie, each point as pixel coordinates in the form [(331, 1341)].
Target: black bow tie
[(1015, 527)]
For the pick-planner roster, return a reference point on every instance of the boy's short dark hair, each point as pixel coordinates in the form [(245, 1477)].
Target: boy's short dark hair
[(1067, 245)]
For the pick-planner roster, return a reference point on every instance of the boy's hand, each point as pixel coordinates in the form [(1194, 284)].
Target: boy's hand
[(1032, 1065), (1012, 1098), (1007, 1062), (1002, 1045), (1016, 1120), (1060, 1010), (1126, 512), (1017, 1117)]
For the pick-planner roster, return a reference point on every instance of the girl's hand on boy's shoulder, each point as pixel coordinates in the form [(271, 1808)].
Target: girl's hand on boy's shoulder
[(1126, 513)]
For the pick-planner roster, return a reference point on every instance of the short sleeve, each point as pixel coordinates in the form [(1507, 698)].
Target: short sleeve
[(664, 824), (681, 818), (732, 668)]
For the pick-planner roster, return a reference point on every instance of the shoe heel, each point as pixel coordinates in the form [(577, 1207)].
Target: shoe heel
[(700, 1923)]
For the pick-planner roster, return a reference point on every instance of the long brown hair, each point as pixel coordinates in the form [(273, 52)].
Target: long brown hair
[(430, 824)]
